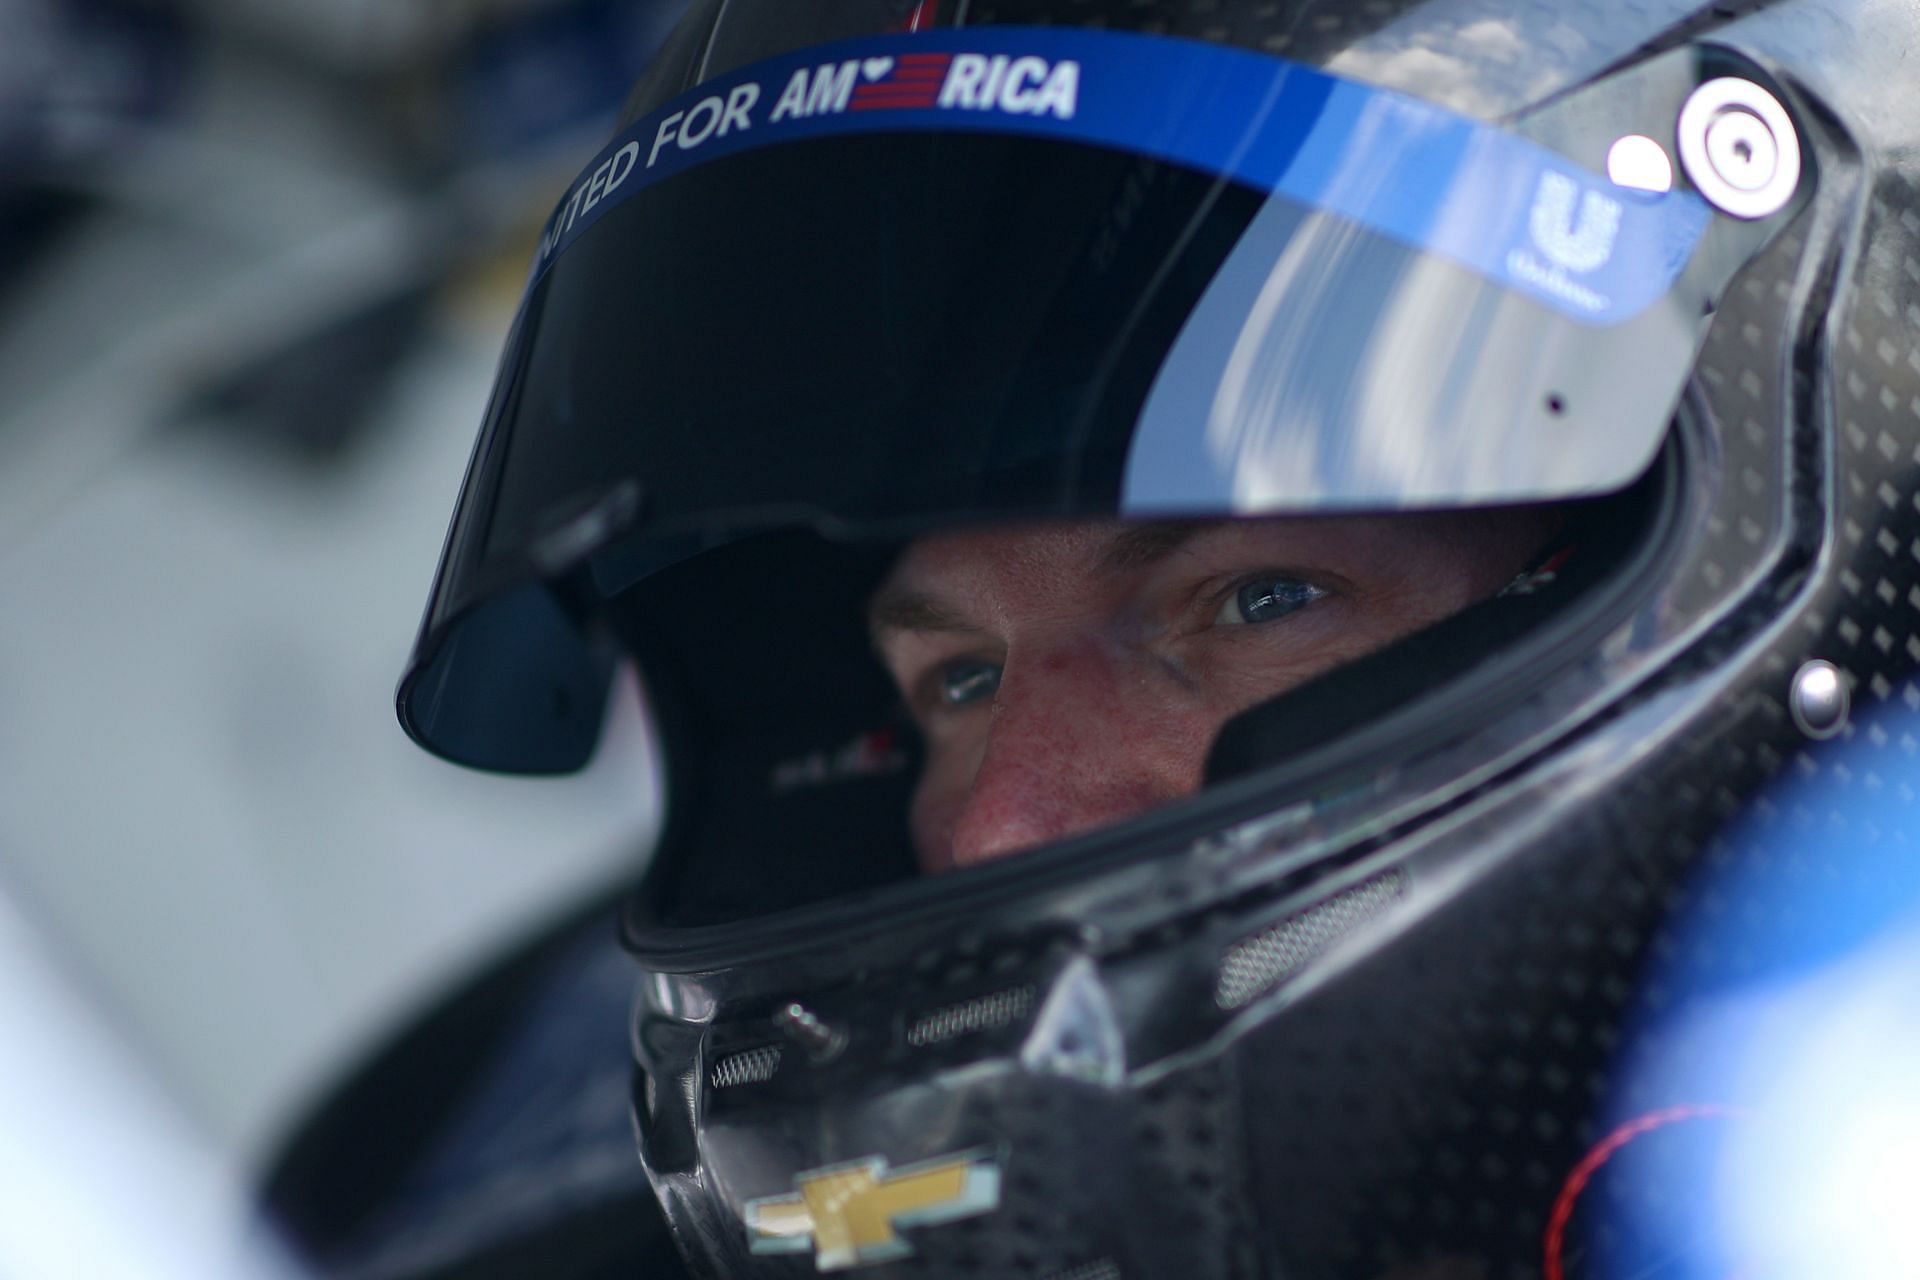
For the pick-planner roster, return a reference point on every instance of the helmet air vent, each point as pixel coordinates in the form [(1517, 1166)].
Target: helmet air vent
[(754, 1066), (969, 1017), (1259, 963), (1099, 1269)]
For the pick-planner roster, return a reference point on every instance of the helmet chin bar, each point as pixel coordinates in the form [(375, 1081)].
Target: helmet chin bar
[(1114, 1089)]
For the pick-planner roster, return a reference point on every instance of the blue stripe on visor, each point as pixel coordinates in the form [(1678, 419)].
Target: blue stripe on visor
[(1509, 209)]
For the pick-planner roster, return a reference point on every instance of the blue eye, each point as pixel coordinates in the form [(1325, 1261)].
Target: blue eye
[(968, 681), (1265, 599)]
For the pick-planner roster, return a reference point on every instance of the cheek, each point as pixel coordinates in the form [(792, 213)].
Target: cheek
[(1240, 671)]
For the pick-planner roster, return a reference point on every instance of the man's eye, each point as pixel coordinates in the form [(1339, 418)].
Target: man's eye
[(1265, 599), (968, 681)]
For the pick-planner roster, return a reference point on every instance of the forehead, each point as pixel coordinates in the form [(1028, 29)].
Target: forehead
[(1018, 552), (963, 581), (1009, 560)]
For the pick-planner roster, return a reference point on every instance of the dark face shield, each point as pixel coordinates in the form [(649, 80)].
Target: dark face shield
[(882, 286)]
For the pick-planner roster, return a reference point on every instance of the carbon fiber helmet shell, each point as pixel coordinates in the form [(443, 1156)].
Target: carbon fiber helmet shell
[(1360, 1013)]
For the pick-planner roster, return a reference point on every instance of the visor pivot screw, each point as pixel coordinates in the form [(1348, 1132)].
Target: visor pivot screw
[(1739, 147), (800, 1025), (1819, 699)]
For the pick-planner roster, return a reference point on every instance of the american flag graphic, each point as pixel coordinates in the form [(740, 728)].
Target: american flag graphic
[(912, 81)]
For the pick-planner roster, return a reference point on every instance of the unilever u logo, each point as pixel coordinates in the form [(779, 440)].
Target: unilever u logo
[(1576, 240)]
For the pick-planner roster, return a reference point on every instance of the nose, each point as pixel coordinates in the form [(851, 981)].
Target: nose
[(1073, 744)]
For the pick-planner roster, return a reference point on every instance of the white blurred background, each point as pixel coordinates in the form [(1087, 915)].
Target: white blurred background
[(256, 260)]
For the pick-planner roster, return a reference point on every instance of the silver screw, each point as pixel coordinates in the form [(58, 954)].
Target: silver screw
[(799, 1024), (1742, 150), (1819, 699), (1739, 147)]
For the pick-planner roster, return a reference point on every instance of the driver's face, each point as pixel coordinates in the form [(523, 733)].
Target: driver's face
[(1067, 676)]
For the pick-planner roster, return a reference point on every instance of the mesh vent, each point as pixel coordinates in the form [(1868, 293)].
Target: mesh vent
[(1101, 1269), (1255, 965), (755, 1066), (983, 1013)]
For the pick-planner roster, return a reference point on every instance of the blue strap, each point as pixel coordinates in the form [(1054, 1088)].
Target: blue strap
[(1509, 209)]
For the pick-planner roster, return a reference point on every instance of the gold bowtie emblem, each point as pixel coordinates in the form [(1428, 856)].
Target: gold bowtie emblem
[(849, 1214)]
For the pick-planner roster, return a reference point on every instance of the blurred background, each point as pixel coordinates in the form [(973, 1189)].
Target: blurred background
[(257, 258)]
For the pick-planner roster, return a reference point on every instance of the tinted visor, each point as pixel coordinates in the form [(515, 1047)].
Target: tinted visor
[(887, 284)]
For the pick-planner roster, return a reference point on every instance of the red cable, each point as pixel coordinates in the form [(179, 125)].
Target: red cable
[(1609, 1147)]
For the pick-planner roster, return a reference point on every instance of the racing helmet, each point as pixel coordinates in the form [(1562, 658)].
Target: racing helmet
[(858, 272)]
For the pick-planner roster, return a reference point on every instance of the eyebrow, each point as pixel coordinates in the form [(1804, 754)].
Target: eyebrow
[(903, 609), (896, 608), (1141, 546)]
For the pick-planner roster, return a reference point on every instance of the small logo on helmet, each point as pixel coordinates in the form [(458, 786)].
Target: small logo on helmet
[(870, 755), (1567, 241), (850, 1215), (1580, 244)]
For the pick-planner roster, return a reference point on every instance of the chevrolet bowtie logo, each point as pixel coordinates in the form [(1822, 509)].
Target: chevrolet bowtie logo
[(849, 1214)]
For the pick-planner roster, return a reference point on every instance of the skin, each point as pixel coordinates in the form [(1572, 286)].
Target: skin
[(1121, 650)]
